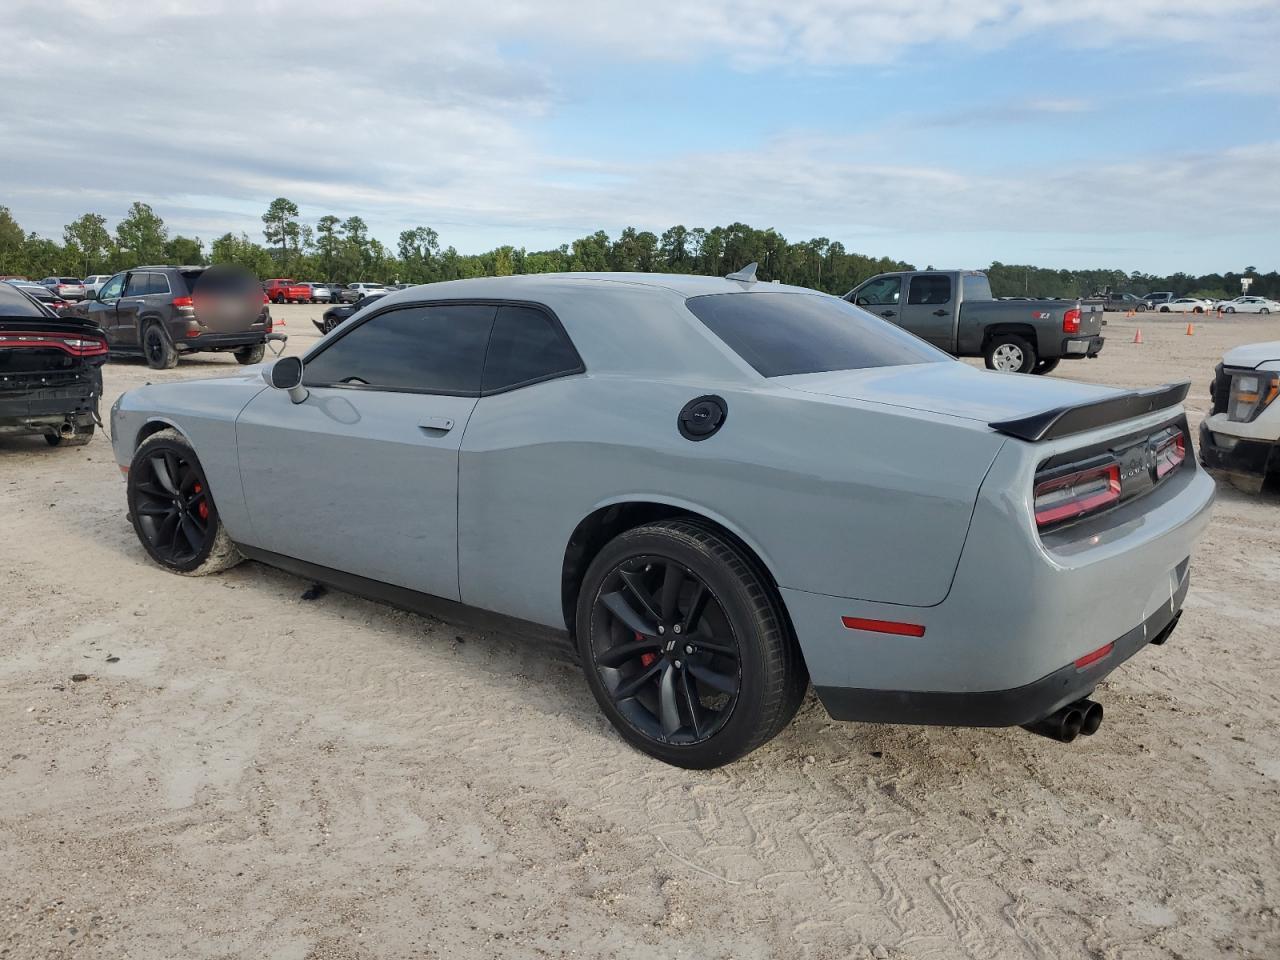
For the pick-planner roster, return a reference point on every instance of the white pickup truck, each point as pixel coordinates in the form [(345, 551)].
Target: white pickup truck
[(1239, 439)]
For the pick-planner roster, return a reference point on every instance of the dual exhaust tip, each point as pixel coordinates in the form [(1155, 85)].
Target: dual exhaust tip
[(1067, 723)]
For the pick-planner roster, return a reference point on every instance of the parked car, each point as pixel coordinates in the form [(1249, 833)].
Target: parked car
[(1154, 300), (336, 314), (152, 312), (1250, 305), (1240, 437), (719, 488), (954, 310), (40, 292), (1124, 301), (93, 282), (1186, 305), (50, 371), (359, 290), (280, 290), (320, 292), (67, 288)]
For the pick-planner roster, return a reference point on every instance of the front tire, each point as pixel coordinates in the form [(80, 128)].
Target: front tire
[(1010, 353), (172, 508), (685, 646), (157, 349), (1046, 366), (253, 354)]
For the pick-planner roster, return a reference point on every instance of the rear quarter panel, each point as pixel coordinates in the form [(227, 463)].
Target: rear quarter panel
[(836, 496), (1041, 318)]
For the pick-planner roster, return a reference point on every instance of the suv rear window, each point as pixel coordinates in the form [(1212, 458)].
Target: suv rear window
[(781, 334)]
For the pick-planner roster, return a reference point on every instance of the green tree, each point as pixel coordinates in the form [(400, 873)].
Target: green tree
[(89, 241), (141, 236), (419, 249), (12, 240), (184, 250), (328, 245), (230, 248), (280, 227), (355, 254)]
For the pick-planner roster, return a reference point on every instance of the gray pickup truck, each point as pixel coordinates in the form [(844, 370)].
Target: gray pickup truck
[(954, 310)]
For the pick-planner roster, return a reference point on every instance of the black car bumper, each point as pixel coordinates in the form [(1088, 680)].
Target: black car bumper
[(1002, 708), (1245, 463), (43, 407), (222, 341)]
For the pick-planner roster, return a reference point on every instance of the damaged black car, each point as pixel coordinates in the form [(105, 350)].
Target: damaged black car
[(50, 371)]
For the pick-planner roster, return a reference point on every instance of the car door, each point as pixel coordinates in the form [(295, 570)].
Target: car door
[(137, 285), (882, 296), (930, 309), (102, 310), (362, 475)]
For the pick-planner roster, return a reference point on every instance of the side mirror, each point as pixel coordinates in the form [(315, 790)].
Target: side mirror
[(286, 374)]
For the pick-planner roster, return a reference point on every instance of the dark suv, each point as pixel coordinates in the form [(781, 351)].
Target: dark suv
[(153, 312)]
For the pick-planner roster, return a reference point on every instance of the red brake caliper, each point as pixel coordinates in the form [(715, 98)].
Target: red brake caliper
[(646, 659), (203, 509)]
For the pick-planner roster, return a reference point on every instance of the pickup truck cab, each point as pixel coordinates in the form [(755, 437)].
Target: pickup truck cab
[(954, 310)]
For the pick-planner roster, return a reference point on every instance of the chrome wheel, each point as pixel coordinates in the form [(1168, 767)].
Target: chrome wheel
[(1007, 358)]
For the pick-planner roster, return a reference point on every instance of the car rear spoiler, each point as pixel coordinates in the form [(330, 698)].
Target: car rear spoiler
[(1064, 421)]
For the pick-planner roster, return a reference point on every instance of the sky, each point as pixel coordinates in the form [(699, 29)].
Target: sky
[(1138, 134)]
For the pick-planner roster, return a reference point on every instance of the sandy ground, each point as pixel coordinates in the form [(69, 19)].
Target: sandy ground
[(245, 774)]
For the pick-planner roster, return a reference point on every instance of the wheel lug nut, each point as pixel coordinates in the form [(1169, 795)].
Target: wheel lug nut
[(688, 649), (676, 628), (662, 630), (677, 664)]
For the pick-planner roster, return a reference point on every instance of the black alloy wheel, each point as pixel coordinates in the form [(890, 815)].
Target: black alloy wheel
[(171, 507), (665, 651), (156, 349)]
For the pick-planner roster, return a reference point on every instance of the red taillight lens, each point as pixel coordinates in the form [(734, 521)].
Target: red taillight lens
[(1076, 494), (1170, 454), (1071, 321), (183, 302), (76, 346), (1091, 658)]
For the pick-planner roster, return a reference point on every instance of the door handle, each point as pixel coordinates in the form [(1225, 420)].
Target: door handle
[(436, 425), (940, 313), (888, 313)]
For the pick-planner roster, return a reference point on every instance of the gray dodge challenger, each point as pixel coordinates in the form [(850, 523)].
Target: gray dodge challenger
[(720, 488)]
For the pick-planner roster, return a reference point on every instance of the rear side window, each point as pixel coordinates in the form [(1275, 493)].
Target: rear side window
[(526, 346), (929, 288), (789, 333), (136, 285), (438, 348), (157, 283)]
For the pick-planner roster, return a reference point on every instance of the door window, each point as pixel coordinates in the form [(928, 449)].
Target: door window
[(930, 288), (526, 346), (112, 288), (886, 290), (437, 348), (137, 285)]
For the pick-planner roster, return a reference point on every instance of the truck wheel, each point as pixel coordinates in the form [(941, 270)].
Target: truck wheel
[(1010, 353), (253, 354), (1046, 366), (157, 348)]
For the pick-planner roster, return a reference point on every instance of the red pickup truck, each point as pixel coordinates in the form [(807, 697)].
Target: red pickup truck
[(280, 290)]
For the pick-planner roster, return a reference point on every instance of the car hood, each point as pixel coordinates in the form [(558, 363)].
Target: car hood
[(1251, 355), (951, 388)]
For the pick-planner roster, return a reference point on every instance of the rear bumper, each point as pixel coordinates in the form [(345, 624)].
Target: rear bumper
[(221, 341), (1242, 461), (39, 410), (1073, 348), (1011, 707)]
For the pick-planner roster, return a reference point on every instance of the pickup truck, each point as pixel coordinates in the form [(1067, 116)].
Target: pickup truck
[(280, 290), (954, 310)]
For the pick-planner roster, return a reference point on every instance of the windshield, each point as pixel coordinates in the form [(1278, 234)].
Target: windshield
[(788, 333)]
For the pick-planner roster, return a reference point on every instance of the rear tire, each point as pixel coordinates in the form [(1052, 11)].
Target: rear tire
[(1046, 366), (172, 508), (1164, 309), (699, 697), (156, 347), (253, 354), (1009, 353)]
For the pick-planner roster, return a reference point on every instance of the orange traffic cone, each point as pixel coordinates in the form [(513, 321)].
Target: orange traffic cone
[(1137, 337), (1191, 329)]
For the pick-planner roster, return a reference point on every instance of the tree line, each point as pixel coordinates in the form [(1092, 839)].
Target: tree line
[(342, 250)]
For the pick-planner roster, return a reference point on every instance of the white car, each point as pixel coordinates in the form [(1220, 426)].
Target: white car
[(1186, 305), (1251, 305), (1240, 438), (367, 289), (93, 283)]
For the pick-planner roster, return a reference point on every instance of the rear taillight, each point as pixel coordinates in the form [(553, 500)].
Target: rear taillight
[(1170, 454), (1078, 493), (76, 346), (1071, 321), (183, 302)]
